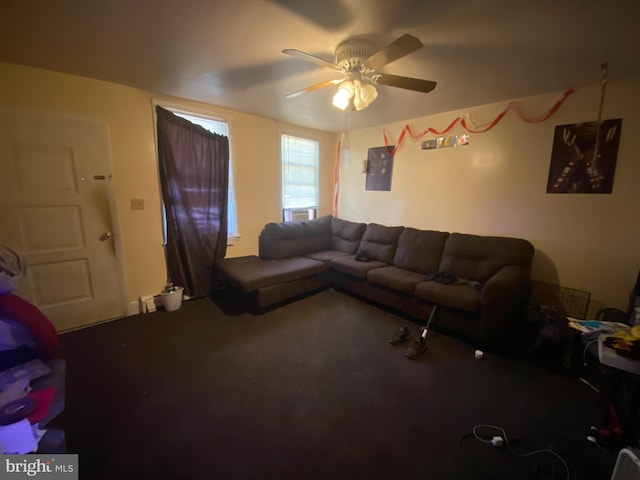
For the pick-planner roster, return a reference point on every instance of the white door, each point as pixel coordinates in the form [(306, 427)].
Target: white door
[(55, 176)]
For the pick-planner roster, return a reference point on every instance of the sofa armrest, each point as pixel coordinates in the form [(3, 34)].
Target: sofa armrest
[(509, 279), (503, 299)]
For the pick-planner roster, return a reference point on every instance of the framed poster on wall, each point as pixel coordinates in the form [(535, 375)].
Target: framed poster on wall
[(379, 168), (583, 159)]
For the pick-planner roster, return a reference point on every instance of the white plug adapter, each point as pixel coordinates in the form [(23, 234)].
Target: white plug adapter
[(497, 441)]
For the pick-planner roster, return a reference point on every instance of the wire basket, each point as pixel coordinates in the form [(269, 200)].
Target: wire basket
[(562, 300)]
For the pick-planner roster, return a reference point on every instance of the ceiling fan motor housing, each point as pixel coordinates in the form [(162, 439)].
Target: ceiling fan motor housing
[(351, 54)]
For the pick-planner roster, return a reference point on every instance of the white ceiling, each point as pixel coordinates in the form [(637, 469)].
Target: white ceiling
[(229, 52)]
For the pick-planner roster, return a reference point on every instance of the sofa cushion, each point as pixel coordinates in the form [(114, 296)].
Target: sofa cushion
[(420, 250), (346, 235), (326, 255), (349, 265), (251, 273), (280, 249), (288, 230), (290, 239), (395, 278), (380, 242), (461, 297), (479, 258)]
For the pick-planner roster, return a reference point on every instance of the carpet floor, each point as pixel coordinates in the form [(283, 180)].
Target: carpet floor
[(311, 390)]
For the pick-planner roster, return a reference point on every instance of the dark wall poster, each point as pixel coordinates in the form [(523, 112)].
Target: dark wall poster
[(379, 168), (574, 168)]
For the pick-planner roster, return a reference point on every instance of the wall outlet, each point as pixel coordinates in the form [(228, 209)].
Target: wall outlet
[(137, 203)]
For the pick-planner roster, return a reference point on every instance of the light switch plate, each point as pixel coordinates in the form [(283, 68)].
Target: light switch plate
[(137, 203)]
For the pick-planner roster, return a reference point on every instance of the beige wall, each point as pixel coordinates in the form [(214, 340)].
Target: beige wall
[(494, 186), (497, 186), (129, 115)]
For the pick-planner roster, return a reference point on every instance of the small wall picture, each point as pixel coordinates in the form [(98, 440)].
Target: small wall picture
[(446, 142), (583, 159), (379, 168)]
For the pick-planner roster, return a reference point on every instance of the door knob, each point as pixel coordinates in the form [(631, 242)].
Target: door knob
[(106, 236)]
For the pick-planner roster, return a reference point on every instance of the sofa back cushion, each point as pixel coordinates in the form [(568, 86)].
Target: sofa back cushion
[(380, 242), (420, 250), (345, 235), (479, 258), (291, 239)]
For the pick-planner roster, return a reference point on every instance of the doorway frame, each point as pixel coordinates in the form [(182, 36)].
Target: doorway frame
[(126, 307)]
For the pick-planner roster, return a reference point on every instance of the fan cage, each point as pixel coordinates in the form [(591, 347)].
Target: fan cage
[(561, 300), (627, 466)]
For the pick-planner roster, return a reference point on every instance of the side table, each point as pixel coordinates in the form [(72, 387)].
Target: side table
[(621, 390)]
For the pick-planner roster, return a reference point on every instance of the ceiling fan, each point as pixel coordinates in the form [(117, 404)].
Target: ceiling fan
[(360, 62)]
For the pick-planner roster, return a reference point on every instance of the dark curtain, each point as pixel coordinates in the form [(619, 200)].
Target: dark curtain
[(194, 178)]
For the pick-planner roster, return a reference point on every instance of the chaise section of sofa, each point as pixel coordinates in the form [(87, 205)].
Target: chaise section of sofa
[(293, 260), (266, 282)]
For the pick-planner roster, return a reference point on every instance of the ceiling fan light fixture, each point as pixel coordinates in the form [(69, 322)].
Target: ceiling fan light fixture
[(368, 93), (343, 96), (363, 95), (358, 102)]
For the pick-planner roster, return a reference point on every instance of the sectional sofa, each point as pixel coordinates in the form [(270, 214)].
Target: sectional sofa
[(478, 283)]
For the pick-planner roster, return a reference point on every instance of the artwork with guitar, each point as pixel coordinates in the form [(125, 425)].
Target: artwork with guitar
[(583, 159)]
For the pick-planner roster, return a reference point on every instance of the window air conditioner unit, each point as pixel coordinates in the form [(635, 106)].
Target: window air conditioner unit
[(627, 466), (300, 215)]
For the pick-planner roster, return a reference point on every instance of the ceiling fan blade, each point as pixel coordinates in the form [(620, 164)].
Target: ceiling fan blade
[(408, 83), (310, 58), (317, 86), (400, 47)]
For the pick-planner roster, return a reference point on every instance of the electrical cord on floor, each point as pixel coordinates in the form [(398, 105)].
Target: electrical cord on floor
[(527, 454), (594, 441), (534, 470), (485, 475)]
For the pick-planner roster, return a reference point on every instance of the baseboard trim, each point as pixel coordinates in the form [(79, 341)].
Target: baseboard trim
[(133, 308)]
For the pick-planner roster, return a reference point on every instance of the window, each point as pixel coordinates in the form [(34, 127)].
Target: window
[(299, 178), (221, 128)]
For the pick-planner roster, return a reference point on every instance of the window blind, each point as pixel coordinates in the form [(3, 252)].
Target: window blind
[(299, 172)]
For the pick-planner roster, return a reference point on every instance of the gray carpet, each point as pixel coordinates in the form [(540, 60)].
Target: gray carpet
[(310, 390)]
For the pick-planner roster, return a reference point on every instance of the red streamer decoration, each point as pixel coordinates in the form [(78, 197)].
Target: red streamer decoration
[(336, 179), (463, 123)]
